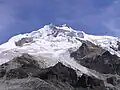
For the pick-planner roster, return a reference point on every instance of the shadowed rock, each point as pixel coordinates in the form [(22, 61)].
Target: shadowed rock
[(27, 84), (58, 72), (91, 83), (16, 73), (23, 41), (58, 77), (118, 43), (100, 60), (87, 49), (97, 59), (112, 80)]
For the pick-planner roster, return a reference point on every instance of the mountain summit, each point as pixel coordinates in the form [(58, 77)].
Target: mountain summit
[(58, 45), (55, 40)]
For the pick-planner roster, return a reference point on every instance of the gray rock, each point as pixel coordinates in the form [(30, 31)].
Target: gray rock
[(118, 43), (26, 84), (58, 77), (100, 60), (23, 41), (112, 80)]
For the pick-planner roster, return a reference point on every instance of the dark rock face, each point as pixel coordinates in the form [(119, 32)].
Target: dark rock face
[(25, 60), (101, 61), (2, 72), (105, 63), (90, 82), (112, 80), (118, 43), (25, 74), (26, 84), (87, 49), (58, 72), (16, 73), (23, 41)]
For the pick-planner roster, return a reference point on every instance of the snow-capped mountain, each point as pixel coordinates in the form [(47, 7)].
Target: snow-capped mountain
[(73, 48), (54, 40)]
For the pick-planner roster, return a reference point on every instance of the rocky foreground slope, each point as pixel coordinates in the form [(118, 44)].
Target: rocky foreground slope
[(60, 58), (24, 73)]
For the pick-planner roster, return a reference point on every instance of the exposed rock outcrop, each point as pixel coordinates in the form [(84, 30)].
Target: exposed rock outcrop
[(100, 60), (26, 74), (105, 63), (87, 49), (23, 41), (118, 43)]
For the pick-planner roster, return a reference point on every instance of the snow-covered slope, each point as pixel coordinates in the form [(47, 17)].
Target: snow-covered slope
[(109, 43), (54, 43)]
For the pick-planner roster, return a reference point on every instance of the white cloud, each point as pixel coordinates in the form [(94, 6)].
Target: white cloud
[(111, 26), (111, 18), (116, 1)]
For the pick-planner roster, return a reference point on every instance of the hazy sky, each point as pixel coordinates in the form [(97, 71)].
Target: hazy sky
[(97, 17)]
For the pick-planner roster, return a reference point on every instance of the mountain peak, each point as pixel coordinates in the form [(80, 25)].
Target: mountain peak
[(56, 39), (60, 27), (65, 25)]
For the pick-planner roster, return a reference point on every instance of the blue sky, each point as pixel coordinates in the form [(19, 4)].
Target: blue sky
[(97, 17)]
